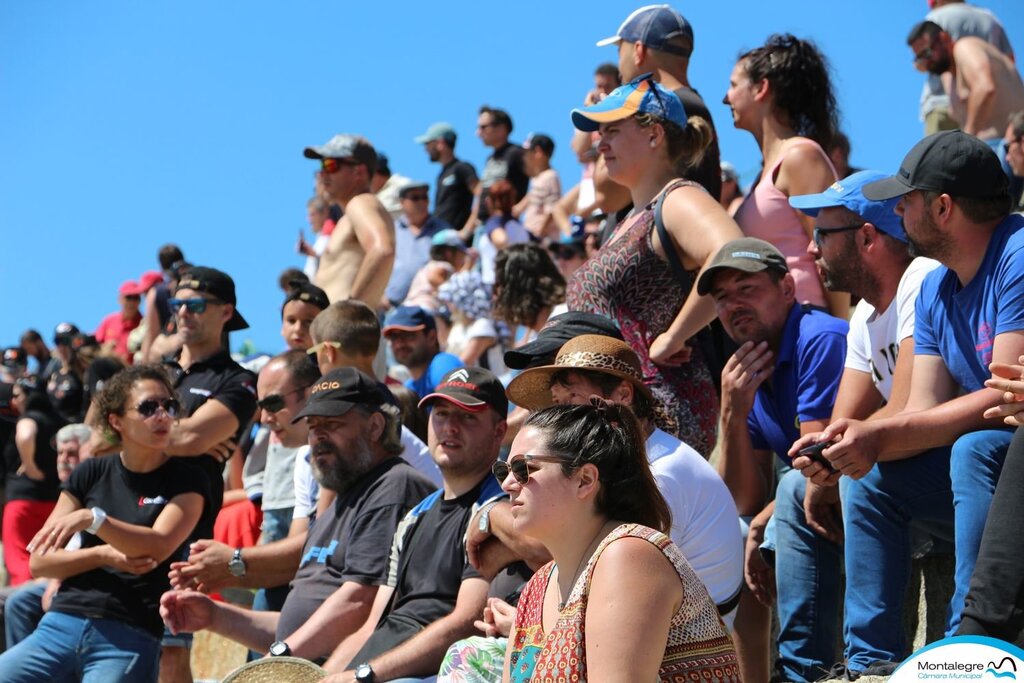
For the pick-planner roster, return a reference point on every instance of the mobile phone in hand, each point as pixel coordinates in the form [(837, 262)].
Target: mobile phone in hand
[(814, 453)]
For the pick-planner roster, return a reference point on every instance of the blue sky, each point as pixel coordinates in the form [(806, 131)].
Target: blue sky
[(132, 124)]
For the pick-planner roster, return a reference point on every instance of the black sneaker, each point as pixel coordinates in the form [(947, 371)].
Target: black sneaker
[(839, 672)]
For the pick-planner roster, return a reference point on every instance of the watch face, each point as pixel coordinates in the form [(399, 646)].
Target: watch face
[(279, 648), (364, 673)]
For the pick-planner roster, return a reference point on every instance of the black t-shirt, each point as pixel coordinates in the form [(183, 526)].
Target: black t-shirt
[(221, 379), (453, 201), (65, 391), (709, 172), (19, 486), (428, 565), (505, 164), (134, 498), (352, 543)]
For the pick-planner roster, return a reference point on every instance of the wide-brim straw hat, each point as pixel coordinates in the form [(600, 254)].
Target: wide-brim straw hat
[(276, 670), (531, 389)]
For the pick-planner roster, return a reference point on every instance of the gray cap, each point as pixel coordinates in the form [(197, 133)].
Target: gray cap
[(345, 146), (412, 185), (437, 131), (748, 254)]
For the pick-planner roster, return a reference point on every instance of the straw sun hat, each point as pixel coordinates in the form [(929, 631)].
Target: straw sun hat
[(276, 670)]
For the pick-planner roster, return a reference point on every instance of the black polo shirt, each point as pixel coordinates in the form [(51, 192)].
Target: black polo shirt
[(454, 199), (222, 379)]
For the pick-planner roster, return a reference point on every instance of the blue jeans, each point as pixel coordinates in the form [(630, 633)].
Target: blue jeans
[(67, 647), (878, 510), (975, 464), (807, 580), (22, 611)]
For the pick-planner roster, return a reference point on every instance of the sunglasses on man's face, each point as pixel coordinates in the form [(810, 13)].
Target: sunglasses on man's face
[(197, 305), (273, 403), (149, 407), (334, 165), (518, 465)]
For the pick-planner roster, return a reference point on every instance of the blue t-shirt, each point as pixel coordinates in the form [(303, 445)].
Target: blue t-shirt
[(808, 367), (960, 324), (441, 365)]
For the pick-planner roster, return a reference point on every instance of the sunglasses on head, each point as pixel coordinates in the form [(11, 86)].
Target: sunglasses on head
[(197, 305), (149, 407), (518, 465), (273, 403), (334, 165)]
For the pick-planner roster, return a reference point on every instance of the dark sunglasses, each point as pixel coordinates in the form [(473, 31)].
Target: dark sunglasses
[(275, 402), (416, 197), (197, 305), (334, 165), (149, 407), (518, 465), (820, 232)]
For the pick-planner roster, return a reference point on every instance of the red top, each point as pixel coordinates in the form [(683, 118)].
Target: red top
[(116, 329)]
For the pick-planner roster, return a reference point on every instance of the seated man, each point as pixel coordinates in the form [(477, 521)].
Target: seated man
[(781, 383), (433, 595), (412, 333), (353, 434)]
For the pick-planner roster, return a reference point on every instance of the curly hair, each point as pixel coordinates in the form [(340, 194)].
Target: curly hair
[(802, 94), (113, 398), (608, 436), (526, 281)]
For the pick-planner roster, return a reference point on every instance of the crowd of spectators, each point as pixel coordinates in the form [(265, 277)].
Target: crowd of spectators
[(521, 434)]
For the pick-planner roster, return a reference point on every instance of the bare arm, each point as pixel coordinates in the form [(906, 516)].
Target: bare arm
[(974, 69), (25, 439), (475, 348), (213, 423), (349, 647), (338, 617), (152, 322), (272, 564), (190, 612), (521, 547), (466, 231), (375, 232)]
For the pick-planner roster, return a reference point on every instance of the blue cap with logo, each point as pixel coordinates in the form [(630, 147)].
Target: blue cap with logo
[(849, 193), (655, 26), (642, 95)]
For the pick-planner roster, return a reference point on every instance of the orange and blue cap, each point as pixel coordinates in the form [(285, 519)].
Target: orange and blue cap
[(642, 95)]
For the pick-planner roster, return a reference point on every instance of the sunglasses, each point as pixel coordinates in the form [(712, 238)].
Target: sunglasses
[(274, 403), (149, 407), (315, 348), (197, 305), (518, 465), (334, 165), (819, 233), (416, 197)]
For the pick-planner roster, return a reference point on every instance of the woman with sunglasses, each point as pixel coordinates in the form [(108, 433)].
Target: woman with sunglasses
[(619, 599), (643, 276), (135, 510), (782, 95)]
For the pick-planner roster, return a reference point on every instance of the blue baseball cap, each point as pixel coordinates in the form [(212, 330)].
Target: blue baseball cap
[(449, 237), (640, 95), (408, 319), (655, 26), (849, 193)]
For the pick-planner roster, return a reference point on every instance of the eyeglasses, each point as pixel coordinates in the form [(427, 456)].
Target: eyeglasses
[(819, 232), (518, 466), (416, 197), (149, 407), (315, 348), (197, 305), (274, 403), (334, 165)]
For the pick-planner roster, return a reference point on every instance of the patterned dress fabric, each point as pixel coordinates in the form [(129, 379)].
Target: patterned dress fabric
[(630, 283), (478, 659), (699, 648)]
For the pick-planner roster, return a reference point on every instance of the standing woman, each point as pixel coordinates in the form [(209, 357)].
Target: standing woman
[(636, 279), (135, 510), (782, 95), (619, 599)]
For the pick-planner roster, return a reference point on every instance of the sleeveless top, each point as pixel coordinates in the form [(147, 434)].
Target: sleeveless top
[(630, 283), (698, 649), (766, 214)]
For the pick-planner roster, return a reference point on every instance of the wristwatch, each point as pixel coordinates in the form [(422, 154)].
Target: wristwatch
[(280, 648), (98, 518), (484, 523), (237, 565), (364, 674)]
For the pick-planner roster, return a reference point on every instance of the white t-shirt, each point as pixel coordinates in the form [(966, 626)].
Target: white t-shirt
[(703, 514), (307, 490), (873, 341)]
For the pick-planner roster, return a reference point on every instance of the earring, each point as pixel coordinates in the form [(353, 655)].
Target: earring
[(653, 144)]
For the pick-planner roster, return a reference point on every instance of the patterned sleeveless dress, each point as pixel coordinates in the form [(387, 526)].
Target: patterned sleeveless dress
[(699, 648), (630, 283)]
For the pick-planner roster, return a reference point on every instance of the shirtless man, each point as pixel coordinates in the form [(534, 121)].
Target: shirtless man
[(985, 86), (359, 256)]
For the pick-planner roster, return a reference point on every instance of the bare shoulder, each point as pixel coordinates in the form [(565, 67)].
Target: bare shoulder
[(630, 557)]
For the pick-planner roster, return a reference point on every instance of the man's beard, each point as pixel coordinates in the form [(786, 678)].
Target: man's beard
[(343, 472), (930, 241)]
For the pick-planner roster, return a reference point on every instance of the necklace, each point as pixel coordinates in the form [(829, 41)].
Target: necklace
[(586, 555)]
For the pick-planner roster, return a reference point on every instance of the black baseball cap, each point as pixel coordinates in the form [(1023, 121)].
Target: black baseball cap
[(341, 390), (748, 254), (951, 162), (218, 284), (472, 389), (301, 290), (63, 333), (557, 331)]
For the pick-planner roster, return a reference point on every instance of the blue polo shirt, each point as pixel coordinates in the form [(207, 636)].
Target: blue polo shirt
[(960, 324), (803, 386), (441, 365), (411, 253)]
